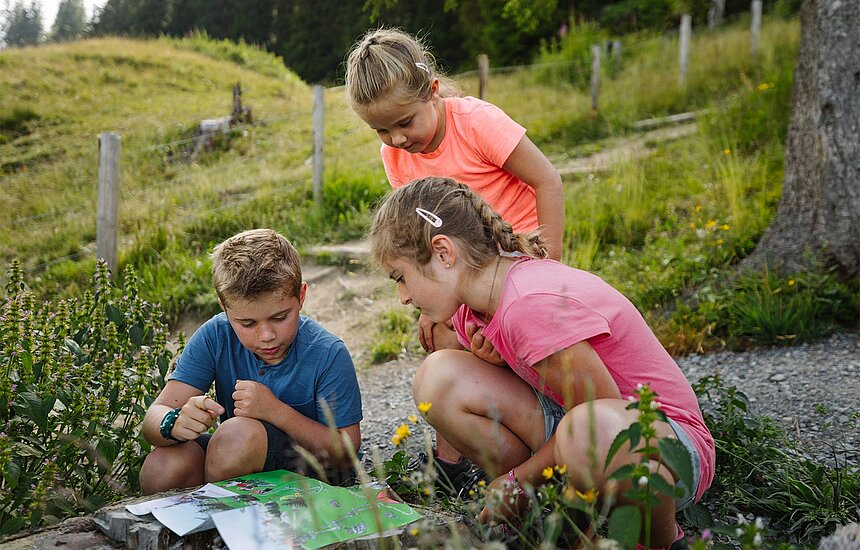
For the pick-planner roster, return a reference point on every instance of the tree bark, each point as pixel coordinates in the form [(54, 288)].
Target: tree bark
[(817, 223)]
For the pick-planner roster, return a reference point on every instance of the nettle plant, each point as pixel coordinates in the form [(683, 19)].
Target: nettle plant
[(78, 376), (559, 513)]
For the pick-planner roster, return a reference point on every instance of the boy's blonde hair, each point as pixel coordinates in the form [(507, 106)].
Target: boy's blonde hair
[(399, 231), (253, 263), (391, 64)]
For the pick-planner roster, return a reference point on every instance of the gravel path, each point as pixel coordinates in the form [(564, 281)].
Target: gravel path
[(786, 384)]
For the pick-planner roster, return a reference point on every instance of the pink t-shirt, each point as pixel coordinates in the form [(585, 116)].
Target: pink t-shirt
[(546, 306), (479, 138)]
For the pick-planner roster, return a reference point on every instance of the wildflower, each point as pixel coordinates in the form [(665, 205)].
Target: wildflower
[(482, 483), (757, 539), (414, 531), (698, 208), (413, 419), (791, 282), (692, 225), (401, 434), (643, 481), (725, 227), (561, 469), (589, 496), (547, 472), (424, 407), (759, 524), (720, 241), (727, 152), (655, 405), (710, 224), (707, 534)]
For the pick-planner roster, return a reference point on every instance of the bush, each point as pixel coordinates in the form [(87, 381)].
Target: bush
[(79, 375)]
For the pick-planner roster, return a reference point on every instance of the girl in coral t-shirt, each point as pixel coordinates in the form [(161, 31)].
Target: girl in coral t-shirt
[(560, 352)]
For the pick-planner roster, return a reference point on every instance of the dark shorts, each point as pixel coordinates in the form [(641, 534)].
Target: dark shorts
[(281, 454)]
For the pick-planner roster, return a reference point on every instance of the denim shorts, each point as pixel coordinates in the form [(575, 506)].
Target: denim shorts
[(553, 413), (282, 455)]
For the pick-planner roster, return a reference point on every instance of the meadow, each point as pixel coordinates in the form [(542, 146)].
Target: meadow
[(666, 230)]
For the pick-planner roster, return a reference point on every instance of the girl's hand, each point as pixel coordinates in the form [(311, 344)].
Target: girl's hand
[(425, 333), (197, 416), (253, 400), (482, 348), (504, 504)]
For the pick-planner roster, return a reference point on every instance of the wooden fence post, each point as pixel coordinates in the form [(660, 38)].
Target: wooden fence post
[(716, 13), (318, 119), (595, 77), (684, 47), (483, 74), (755, 28), (108, 200)]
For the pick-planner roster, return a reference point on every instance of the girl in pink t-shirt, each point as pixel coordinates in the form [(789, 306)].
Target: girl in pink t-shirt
[(555, 352)]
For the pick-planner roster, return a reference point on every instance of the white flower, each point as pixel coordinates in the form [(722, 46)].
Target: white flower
[(759, 524), (757, 539), (643, 481)]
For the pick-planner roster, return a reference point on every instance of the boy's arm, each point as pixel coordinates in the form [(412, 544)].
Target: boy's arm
[(197, 415), (530, 165), (255, 400)]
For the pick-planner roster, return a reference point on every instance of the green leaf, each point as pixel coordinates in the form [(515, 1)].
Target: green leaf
[(662, 485), (635, 432), (108, 449), (13, 525), (33, 408), (113, 314), (73, 346), (136, 335), (698, 516), (624, 526), (674, 455), (616, 444), (623, 472), (27, 361), (11, 474)]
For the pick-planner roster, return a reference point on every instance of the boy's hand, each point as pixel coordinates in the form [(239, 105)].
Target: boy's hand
[(253, 400), (197, 416), (482, 348)]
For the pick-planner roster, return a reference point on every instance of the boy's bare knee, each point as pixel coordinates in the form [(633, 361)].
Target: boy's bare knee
[(174, 467), (237, 447)]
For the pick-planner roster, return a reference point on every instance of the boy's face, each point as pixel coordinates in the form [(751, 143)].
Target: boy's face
[(267, 324)]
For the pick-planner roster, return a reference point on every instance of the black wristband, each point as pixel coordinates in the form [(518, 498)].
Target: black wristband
[(167, 424)]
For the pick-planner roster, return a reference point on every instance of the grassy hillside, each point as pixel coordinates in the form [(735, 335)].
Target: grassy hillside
[(658, 228)]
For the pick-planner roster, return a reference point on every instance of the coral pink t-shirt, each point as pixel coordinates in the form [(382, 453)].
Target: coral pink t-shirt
[(546, 306), (479, 138)]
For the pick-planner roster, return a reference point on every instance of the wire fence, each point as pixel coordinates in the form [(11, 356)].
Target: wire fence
[(344, 130)]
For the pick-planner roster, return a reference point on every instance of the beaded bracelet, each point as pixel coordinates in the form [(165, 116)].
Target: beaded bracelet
[(512, 480)]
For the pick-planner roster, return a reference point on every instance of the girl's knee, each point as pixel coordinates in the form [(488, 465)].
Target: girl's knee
[(435, 376)]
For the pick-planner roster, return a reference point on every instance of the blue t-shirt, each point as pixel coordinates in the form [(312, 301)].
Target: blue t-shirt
[(317, 367)]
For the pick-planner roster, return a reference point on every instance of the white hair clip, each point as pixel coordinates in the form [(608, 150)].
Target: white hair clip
[(429, 217), (423, 67)]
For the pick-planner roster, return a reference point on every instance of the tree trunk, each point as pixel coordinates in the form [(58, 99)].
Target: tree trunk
[(817, 223)]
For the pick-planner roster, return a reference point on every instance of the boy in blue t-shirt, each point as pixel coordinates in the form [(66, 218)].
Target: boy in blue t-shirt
[(275, 371)]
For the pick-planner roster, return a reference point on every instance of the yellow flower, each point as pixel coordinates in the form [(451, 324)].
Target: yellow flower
[(727, 152), (698, 208), (589, 496), (692, 225), (401, 434), (414, 531), (720, 241), (482, 483), (710, 224), (424, 407), (725, 227), (765, 86), (547, 472), (561, 469), (791, 282), (413, 419)]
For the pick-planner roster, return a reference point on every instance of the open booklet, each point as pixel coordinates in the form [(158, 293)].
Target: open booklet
[(281, 509)]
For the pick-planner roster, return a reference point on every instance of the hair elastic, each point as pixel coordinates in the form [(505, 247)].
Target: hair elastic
[(423, 67), (429, 217)]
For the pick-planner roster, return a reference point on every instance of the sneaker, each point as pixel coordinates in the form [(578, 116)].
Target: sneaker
[(454, 480)]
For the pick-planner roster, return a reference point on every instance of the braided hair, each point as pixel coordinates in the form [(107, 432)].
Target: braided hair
[(399, 231)]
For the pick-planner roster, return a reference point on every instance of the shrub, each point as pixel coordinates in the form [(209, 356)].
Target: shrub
[(79, 375)]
